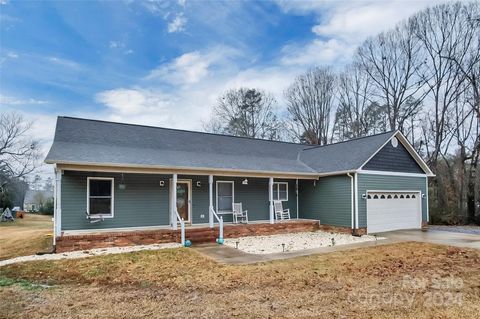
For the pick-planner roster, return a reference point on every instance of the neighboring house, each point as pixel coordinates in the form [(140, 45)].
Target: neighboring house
[(34, 199), (121, 175)]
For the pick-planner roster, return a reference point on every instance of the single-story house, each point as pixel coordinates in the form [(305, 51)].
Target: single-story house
[(115, 177)]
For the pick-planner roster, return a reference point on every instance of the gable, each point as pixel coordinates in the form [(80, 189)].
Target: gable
[(393, 159)]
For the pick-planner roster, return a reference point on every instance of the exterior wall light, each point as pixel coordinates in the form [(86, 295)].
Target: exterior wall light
[(199, 184), (122, 185), (245, 182), (162, 183), (364, 196), (423, 195)]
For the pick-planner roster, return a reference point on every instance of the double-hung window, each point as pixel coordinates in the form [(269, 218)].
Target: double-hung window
[(280, 191), (100, 196)]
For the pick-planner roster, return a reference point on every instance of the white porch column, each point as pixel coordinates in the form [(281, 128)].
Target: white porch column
[(296, 194), (210, 201), (58, 204), (174, 202), (270, 198)]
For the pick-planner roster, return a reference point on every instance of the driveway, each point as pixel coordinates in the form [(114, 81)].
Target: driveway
[(435, 237)]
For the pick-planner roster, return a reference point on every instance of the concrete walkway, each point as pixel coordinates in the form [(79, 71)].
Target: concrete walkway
[(229, 255), (435, 237)]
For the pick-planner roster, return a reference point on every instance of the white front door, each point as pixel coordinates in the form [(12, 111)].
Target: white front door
[(388, 211)]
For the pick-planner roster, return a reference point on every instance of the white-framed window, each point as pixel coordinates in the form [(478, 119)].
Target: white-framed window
[(100, 197), (225, 196), (280, 191)]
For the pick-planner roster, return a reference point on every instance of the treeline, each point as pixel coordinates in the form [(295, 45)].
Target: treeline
[(422, 78)]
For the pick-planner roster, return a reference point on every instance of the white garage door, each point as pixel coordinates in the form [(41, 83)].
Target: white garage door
[(388, 211)]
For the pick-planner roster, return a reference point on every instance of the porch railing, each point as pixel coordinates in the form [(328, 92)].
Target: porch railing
[(182, 227), (220, 226)]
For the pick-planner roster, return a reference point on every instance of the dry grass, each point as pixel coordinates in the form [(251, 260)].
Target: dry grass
[(25, 236), (183, 283)]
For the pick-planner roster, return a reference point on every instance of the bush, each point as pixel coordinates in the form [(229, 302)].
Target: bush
[(47, 208)]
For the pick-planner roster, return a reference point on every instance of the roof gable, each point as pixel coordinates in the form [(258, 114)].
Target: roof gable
[(393, 159)]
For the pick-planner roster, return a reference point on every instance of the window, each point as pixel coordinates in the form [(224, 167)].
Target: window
[(224, 196), (280, 191), (100, 196)]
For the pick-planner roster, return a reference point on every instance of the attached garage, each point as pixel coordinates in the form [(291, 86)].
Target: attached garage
[(391, 210)]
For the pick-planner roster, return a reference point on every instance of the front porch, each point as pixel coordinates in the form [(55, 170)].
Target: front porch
[(84, 240)]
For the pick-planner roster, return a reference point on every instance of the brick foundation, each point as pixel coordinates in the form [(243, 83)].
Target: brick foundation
[(196, 235)]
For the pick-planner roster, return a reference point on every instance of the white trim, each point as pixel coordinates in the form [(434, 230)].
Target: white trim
[(296, 195), (210, 201), (270, 198), (352, 190), (173, 203), (356, 200), (426, 198), (393, 191), (222, 212), (189, 183), (387, 173), (112, 196), (58, 204), (409, 149), (150, 169), (277, 184)]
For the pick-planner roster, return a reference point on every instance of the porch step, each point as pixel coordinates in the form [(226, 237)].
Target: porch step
[(201, 235)]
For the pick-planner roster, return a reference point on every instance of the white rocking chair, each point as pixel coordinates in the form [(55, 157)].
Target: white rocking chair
[(239, 215), (280, 213)]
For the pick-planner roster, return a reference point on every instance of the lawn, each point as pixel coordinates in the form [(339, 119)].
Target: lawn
[(407, 280), (26, 236)]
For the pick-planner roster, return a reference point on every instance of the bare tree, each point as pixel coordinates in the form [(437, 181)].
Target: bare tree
[(357, 113), (246, 112), (395, 66), (19, 153), (310, 99), (444, 34)]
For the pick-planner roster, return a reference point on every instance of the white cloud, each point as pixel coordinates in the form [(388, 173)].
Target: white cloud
[(191, 67), (11, 100), (133, 101), (317, 52), (177, 24), (63, 62), (116, 44), (12, 55)]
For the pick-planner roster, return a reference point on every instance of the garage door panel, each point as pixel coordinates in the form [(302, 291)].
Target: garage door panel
[(393, 210)]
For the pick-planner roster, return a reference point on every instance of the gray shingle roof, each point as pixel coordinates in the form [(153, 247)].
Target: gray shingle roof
[(82, 141), (343, 156)]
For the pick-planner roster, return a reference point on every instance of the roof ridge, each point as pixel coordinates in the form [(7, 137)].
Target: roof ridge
[(346, 141), (181, 130)]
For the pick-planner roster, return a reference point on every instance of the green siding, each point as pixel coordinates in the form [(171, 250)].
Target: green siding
[(142, 203), (254, 197), (329, 201), (387, 182), (145, 203)]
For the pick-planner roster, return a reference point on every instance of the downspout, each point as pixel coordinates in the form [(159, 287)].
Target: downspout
[(352, 187)]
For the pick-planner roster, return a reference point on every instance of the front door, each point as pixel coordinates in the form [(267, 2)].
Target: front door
[(183, 200)]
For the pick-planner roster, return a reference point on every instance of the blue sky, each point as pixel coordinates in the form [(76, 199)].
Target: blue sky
[(165, 63)]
